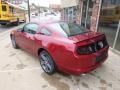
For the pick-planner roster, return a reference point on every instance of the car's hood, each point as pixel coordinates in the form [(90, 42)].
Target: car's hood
[(85, 36)]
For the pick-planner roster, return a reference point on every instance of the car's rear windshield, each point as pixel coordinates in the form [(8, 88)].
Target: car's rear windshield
[(68, 29)]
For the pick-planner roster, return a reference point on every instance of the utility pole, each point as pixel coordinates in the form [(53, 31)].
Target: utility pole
[(29, 10), (39, 9)]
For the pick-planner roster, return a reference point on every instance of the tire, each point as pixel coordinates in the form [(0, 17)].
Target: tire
[(47, 62), (14, 44), (24, 21), (3, 24), (17, 23)]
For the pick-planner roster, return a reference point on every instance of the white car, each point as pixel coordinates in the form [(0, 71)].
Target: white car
[(33, 15)]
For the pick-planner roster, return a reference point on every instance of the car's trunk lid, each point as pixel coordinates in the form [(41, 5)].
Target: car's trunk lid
[(89, 42), (88, 36)]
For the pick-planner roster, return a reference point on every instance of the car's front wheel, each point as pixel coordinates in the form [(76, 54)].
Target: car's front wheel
[(47, 62), (14, 44)]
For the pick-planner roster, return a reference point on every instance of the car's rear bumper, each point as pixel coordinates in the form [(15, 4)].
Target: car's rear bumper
[(79, 71), (87, 66)]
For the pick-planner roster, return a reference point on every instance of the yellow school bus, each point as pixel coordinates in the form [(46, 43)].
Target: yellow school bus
[(11, 14), (110, 15)]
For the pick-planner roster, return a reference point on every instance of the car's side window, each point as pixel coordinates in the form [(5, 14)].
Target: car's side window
[(45, 31), (31, 28)]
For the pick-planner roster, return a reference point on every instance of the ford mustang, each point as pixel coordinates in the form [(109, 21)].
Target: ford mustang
[(62, 46)]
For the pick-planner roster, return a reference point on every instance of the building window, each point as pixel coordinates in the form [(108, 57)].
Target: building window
[(70, 14), (87, 13), (66, 13), (117, 45), (83, 22), (74, 12), (109, 20)]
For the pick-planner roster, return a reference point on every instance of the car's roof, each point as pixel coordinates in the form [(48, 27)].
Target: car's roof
[(46, 22)]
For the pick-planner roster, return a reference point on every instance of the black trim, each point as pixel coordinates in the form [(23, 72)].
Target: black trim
[(4, 21)]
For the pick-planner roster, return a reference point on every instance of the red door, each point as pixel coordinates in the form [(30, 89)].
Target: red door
[(27, 37), (19, 37), (29, 42)]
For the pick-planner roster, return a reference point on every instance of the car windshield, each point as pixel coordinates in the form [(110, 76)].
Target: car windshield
[(68, 29)]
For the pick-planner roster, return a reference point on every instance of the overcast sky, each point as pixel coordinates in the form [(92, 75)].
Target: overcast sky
[(45, 2)]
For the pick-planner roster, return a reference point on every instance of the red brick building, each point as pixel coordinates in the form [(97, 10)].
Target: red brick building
[(54, 7), (96, 15), (80, 11), (69, 10)]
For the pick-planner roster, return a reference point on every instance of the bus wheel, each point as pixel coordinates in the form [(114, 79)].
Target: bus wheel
[(17, 23), (3, 24), (24, 21)]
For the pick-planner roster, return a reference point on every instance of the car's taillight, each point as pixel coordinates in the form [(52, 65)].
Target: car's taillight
[(84, 50), (93, 47)]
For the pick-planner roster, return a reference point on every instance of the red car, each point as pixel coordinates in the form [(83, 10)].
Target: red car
[(62, 46)]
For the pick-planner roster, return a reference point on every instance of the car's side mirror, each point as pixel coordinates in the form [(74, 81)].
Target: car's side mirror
[(22, 30)]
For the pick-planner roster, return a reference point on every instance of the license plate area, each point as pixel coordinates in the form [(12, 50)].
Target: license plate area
[(101, 57)]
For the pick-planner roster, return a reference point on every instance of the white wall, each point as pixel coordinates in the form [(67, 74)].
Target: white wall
[(68, 3)]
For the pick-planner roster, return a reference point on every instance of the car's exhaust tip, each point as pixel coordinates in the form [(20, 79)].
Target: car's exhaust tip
[(83, 74)]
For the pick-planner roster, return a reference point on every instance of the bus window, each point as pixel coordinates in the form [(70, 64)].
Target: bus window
[(4, 8), (11, 9), (117, 11)]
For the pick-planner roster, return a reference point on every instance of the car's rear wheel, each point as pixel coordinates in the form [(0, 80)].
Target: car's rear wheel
[(47, 62), (14, 44)]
